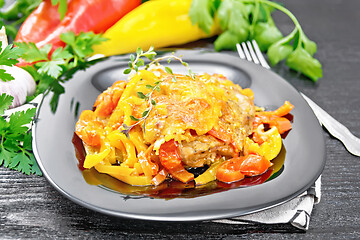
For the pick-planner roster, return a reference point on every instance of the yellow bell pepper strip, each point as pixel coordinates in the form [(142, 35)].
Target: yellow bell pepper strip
[(271, 146), (110, 169), (93, 159), (157, 23), (145, 165), (131, 158), (209, 175), (132, 180)]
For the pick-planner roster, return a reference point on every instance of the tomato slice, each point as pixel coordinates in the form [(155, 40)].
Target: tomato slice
[(281, 123), (169, 156), (253, 165), (229, 171), (237, 168)]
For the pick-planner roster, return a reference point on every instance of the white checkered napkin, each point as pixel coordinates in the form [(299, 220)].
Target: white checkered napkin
[(297, 211)]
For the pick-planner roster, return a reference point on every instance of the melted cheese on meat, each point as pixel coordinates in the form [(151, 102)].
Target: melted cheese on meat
[(185, 104)]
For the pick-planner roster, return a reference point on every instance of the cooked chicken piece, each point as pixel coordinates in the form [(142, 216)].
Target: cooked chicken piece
[(203, 151)]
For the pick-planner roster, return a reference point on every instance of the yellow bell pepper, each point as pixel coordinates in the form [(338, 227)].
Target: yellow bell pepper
[(131, 157), (270, 148), (110, 169), (157, 23), (93, 159), (133, 180), (209, 175)]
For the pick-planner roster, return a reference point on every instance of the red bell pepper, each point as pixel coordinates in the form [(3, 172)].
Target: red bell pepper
[(224, 136), (273, 119), (40, 23), (170, 159), (237, 168), (43, 26)]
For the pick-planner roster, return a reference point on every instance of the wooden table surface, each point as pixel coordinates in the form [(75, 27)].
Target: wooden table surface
[(31, 208)]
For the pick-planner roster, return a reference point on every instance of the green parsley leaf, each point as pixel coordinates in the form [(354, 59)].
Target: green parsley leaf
[(5, 102), (62, 9), (15, 140), (8, 57), (201, 13), (81, 45), (31, 53)]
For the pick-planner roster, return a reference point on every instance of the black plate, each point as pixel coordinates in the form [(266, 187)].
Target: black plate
[(305, 157)]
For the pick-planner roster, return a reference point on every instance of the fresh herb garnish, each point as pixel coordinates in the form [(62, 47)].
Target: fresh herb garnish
[(134, 64), (62, 8), (15, 139), (15, 14), (137, 61), (251, 19), (8, 57), (51, 72)]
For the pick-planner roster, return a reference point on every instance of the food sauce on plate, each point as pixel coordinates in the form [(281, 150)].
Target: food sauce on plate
[(170, 189)]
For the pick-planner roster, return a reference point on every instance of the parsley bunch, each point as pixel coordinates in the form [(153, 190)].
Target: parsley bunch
[(50, 72), (241, 20), (8, 57), (15, 139)]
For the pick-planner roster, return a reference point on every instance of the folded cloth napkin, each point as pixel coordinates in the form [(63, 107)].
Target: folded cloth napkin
[(297, 211)]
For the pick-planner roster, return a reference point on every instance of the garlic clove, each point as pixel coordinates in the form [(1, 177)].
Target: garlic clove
[(23, 85)]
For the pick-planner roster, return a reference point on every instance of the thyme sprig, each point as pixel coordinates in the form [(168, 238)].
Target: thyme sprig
[(134, 64), (137, 61), (151, 103)]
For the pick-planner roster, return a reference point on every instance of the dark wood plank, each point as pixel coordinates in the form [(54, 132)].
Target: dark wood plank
[(31, 208)]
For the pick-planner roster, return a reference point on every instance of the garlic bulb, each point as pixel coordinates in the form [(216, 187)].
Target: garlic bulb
[(22, 85)]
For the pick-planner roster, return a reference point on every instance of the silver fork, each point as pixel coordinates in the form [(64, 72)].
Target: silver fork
[(250, 51)]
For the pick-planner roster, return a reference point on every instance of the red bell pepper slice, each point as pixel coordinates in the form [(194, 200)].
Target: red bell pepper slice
[(224, 136), (170, 159), (220, 134), (280, 112), (235, 169), (43, 26), (40, 23)]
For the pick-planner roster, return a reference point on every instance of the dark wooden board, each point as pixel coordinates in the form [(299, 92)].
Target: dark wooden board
[(31, 208)]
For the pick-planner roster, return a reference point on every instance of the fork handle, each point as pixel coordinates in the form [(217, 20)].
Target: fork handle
[(335, 128)]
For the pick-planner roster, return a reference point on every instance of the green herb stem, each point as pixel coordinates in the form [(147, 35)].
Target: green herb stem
[(287, 12)]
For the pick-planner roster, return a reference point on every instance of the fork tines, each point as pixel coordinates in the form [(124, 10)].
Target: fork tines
[(250, 51)]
